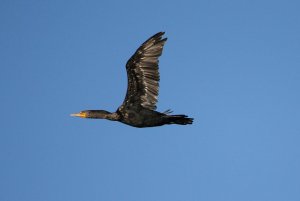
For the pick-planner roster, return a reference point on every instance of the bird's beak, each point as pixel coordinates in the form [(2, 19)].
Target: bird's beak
[(80, 114)]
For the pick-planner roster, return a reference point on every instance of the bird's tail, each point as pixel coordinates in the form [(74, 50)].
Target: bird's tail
[(179, 119)]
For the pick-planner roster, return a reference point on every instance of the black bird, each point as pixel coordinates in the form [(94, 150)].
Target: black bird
[(138, 108)]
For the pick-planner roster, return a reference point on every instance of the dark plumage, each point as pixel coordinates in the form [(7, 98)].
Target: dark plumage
[(138, 108)]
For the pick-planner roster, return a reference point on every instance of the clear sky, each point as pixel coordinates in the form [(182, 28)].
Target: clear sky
[(232, 65)]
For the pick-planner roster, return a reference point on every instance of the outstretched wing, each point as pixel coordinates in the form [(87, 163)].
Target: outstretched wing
[(142, 73)]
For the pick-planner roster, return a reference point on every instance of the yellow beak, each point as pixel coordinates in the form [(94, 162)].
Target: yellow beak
[(80, 114)]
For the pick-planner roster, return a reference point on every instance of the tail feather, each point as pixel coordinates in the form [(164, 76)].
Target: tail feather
[(179, 119)]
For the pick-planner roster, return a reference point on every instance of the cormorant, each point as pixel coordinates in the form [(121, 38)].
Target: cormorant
[(138, 108)]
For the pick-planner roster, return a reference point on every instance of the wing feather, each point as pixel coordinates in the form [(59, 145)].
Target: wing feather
[(143, 75)]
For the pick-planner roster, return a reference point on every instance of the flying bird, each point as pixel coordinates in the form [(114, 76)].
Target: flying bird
[(138, 108)]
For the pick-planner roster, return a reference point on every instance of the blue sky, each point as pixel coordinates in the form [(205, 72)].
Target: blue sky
[(232, 65)]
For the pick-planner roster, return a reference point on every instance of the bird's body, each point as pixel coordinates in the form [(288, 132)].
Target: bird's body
[(139, 116), (138, 108)]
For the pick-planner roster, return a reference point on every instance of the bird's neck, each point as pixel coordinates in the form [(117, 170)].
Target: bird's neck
[(102, 114), (112, 116)]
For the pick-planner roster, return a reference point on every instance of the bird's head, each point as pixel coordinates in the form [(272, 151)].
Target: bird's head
[(94, 114)]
